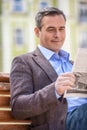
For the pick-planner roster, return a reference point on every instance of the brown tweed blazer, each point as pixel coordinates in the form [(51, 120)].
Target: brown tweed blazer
[(33, 96)]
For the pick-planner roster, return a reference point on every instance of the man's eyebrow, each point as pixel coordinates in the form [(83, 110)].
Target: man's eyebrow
[(50, 27), (54, 27)]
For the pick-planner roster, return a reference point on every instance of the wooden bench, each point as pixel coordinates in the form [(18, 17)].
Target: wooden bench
[(7, 121)]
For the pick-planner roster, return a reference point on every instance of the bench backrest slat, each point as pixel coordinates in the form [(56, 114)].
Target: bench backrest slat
[(7, 121)]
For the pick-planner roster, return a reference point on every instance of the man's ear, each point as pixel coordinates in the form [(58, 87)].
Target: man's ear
[(36, 30)]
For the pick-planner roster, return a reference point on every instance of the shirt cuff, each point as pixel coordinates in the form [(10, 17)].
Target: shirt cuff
[(57, 95)]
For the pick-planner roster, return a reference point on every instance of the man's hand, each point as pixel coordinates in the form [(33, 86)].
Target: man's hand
[(64, 82)]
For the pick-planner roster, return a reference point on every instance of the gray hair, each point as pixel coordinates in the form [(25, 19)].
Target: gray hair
[(49, 11)]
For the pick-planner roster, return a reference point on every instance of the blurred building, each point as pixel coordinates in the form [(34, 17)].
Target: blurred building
[(17, 23)]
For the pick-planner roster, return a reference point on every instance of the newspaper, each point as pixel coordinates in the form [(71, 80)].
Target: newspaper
[(80, 71)]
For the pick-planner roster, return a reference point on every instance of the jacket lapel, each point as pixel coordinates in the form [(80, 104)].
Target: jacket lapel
[(44, 64)]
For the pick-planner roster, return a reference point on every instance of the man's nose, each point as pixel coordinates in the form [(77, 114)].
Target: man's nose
[(57, 34)]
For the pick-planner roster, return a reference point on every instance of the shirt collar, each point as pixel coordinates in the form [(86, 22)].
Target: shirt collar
[(48, 53)]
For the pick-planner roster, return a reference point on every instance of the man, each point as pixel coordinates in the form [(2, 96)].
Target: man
[(40, 78)]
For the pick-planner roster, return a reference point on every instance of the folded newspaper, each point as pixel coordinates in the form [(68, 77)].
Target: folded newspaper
[(80, 71)]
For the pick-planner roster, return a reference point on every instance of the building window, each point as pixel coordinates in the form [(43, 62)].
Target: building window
[(82, 12), (43, 4), (19, 36), (83, 39), (18, 6)]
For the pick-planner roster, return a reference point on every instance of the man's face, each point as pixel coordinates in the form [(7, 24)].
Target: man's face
[(52, 33)]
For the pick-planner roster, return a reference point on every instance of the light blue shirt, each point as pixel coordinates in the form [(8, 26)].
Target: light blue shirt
[(61, 64)]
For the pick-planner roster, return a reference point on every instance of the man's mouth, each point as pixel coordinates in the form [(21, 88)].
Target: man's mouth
[(55, 41)]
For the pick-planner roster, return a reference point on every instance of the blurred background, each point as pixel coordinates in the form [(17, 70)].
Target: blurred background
[(17, 26)]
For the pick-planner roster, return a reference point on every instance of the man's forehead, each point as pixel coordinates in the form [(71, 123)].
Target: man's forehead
[(53, 21), (56, 18)]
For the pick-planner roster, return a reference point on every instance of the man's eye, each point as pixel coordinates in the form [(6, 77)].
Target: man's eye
[(61, 29), (50, 30)]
